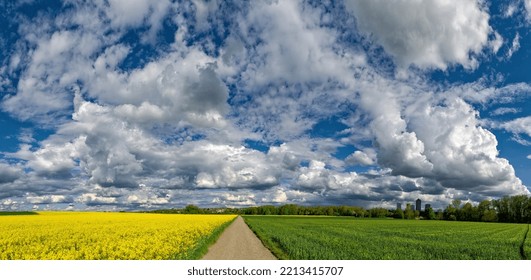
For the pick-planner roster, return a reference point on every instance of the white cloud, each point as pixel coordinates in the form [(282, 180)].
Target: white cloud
[(203, 11), (146, 197), (427, 34), (290, 62), (510, 9), (43, 89), (130, 12), (295, 47), (463, 154), (527, 5), (48, 199), (113, 152), (55, 57), (419, 133), (124, 14), (51, 59), (504, 111), (364, 158), (93, 199), (515, 46), (26, 136), (173, 89), (496, 43), (518, 127)]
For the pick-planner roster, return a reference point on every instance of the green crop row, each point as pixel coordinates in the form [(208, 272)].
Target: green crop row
[(368, 239)]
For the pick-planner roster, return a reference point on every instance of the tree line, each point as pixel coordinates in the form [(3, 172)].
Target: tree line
[(287, 209), (508, 209)]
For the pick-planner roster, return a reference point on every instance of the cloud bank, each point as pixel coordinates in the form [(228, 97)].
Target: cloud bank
[(239, 104)]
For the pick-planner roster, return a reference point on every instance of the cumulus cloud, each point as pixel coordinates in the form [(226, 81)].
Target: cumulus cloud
[(43, 89), (290, 63), (362, 158), (464, 155), (427, 34), (115, 153), (91, 199), (398, 148), (59, 54), (295, 47), (48, 199)]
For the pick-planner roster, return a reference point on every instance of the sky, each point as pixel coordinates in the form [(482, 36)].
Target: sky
[(139, 104)]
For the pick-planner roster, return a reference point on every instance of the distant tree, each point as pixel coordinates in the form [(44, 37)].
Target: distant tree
[(345, 211), (518, 205), (528, 211), (409, 213), (476, 216), (439, 215), (484, 205), (378, 212), (359, 212), (489, 215), (270, 210), (430, 214), (502, 208), (450, 213), (466, 212), (399, 214), (191, 209), (252, 211), (289, 209)]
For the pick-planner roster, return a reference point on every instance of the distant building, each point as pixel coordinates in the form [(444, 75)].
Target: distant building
[(418, 204), (427, 206), (399, 206)]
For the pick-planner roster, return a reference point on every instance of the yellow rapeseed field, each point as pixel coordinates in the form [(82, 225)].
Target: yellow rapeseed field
[(107, 236)]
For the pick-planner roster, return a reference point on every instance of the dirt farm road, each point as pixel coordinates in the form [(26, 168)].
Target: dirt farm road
[(238, 242)]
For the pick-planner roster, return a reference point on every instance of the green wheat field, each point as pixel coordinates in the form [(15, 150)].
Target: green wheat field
[(331, 238)]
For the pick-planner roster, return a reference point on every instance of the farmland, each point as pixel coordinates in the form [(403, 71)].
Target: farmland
[(93, 236), (368, 239)]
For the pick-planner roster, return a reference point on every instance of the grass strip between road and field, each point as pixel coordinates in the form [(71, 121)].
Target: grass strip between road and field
[(202, 246), (525, 243), (269, 243)]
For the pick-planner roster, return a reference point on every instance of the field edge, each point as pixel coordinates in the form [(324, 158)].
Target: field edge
[(204, 244), (272, 246)]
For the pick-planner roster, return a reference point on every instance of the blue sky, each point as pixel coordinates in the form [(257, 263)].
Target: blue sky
[(122, 105)]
